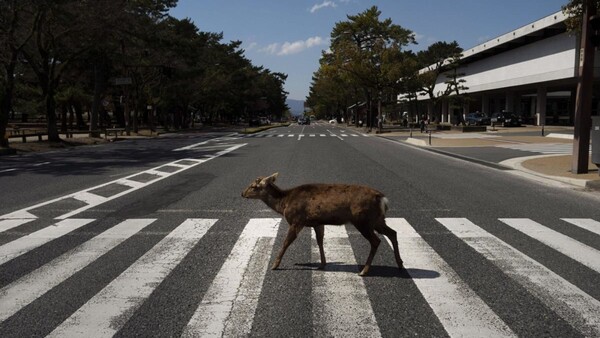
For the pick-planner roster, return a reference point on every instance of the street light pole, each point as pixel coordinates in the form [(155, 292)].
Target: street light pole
[(583, 102)]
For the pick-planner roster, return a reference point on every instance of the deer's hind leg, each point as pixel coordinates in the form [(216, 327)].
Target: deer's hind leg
[(388, 232), (370, 235)]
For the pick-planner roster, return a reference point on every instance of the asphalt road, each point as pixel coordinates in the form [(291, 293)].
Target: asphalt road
[(152, 238)]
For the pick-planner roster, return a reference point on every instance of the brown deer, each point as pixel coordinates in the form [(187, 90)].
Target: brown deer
[(315, 205)]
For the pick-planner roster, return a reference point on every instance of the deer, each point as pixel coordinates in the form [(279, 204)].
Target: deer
[(317, 205)]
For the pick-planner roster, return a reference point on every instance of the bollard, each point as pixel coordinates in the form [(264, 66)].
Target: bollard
[(430, 137), (542, 130), (411, 132)]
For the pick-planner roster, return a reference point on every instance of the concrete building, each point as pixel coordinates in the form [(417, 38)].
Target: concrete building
[(532, 71)]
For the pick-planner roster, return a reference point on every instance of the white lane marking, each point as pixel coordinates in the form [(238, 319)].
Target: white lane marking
[(8, 224), (460, 310), (291, 135), (40, 164), (22, 292), (340, 301), (89, 198), (130, 183), (585, 223), (228, 137), (8, 170), (109, 309), (95, 201), (300, 136), (27, 243), (237, 286), (576, 307), (580, 252)]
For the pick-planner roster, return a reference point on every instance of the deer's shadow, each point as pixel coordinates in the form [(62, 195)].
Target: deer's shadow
[(375, 271)]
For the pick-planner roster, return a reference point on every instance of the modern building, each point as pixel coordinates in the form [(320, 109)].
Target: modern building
[(532, 71)]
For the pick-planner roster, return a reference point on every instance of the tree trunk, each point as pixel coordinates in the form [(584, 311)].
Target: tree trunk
[(78, 115), (63, 120), (5, 106), (6, 100), (98, 90), (71, 115), (51, 116)]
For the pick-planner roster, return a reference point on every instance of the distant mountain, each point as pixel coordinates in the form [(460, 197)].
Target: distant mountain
[(296, 106)]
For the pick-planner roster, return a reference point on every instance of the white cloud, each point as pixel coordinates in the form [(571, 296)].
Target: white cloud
[(270, 49), (295, 47), (251, 46), (325, 4)]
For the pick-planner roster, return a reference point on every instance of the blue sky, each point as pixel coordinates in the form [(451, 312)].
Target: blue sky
[(288, 35)]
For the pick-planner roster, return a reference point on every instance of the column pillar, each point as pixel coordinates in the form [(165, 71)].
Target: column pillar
[(485, 105), (540, 108), (445, 117), (509, 103)]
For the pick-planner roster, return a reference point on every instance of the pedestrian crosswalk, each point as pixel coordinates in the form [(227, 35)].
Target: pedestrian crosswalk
[(544, 148), (341, 302), (308, 135)]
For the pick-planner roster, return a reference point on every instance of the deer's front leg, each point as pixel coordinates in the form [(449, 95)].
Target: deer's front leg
[(320, 232), (291, 236)]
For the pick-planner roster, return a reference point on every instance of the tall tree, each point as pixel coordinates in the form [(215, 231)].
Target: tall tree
[(369, 49), (15, 33), (574, 12), (437, 59)]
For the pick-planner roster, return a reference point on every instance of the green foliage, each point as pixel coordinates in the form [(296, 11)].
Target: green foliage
[(366, 62), (73, 50)]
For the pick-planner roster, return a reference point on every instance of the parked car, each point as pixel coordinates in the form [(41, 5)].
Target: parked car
[(477, 119), (506, 119), (303, 120)]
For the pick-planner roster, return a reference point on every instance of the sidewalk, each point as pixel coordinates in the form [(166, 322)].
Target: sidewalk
[(33, 144), (527, 151)]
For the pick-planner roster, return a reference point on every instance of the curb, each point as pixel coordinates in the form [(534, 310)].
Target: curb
[(516, 163), (416, 142), (510, 164)]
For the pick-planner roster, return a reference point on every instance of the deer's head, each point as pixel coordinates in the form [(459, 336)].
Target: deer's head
[(257, 189)]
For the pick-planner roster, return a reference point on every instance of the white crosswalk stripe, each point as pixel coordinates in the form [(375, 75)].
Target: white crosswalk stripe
[(310, 135), (582, 253), (544, 148), (351, 313), (340, 300), (8, 224), (585, 223), (27, 243), (124, 294), (235, 289), (22, 292), (572, 304), (460, 310)]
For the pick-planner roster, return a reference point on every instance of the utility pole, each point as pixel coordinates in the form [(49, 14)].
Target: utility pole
[(583, 102)]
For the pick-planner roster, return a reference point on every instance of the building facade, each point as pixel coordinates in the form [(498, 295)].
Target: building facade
[(531, 71)]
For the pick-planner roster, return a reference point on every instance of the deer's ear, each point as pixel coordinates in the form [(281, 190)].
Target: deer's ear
[(269, 179)]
